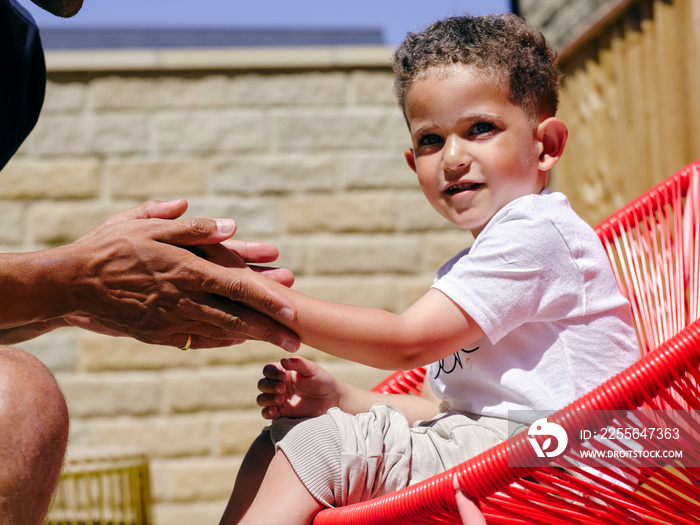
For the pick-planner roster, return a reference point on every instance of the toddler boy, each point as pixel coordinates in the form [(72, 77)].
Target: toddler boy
[(528, 318)]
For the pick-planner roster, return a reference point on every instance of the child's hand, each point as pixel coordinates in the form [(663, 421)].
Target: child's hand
[(296, 387)]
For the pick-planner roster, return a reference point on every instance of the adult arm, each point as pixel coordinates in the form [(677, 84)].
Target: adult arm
[(136, 275)]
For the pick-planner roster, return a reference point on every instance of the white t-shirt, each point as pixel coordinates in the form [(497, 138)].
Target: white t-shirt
[(539, 284)]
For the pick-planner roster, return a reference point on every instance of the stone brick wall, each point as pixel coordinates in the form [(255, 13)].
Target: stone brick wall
[(303, 148)]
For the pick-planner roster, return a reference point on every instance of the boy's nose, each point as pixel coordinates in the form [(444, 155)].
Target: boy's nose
[(454, 155)]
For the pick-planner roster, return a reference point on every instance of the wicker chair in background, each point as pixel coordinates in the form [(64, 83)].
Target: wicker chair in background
[(103, 486), (654, 247)]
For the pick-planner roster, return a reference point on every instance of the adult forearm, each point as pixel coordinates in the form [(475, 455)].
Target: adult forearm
[(144, 274), (35, 287), (12, 336)]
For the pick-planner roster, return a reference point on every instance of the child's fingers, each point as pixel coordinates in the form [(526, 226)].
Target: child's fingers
[(270, 412), (274, 372), (271, 386), (293, 363), (300, 365), (269, 400), (273, 380)]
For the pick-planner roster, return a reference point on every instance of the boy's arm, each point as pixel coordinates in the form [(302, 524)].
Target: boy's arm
[(355, 400), (431, 329)]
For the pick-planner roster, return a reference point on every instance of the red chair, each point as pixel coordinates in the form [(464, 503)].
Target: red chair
[(654, 247)]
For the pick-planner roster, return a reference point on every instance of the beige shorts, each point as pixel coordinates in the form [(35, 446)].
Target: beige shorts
[(343, 459)]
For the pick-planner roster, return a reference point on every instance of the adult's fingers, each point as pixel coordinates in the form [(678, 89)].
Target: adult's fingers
[(246, 287), (235, 283), (250, 313), (148, 210), (151, 210), (469, 511), (191, 232)]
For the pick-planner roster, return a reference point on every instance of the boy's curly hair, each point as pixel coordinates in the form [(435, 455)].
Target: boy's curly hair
[(505, 46)]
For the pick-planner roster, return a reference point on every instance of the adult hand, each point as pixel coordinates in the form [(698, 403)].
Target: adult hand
[(239, 254), (139, 274), (296, 387), (468, 507)]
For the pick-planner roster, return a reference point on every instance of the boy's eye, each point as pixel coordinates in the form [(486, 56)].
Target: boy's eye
[(481, 128), (429, 140)]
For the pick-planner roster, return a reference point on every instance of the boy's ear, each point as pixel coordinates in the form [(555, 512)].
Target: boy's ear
[(551, 135), (410, 158)]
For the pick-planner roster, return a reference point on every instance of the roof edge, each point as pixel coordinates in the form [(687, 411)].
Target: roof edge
[(219, 58)]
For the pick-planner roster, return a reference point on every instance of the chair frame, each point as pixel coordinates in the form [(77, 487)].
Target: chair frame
[(654, 246)]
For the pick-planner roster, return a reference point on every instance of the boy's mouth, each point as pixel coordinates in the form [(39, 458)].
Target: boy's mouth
[(460, 187)]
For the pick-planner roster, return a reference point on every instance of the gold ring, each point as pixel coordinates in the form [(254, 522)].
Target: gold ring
[(187, 344)]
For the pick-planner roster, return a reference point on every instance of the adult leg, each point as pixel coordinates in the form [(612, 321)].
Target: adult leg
[(249, 478), (33, 437)]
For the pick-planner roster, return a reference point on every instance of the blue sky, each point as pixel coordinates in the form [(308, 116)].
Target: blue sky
[(394, 17)]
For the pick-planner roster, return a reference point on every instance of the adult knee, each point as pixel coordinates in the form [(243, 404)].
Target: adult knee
[(33, 437)]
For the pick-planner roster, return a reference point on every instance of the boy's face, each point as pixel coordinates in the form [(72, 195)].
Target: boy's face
[(473, 150)]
